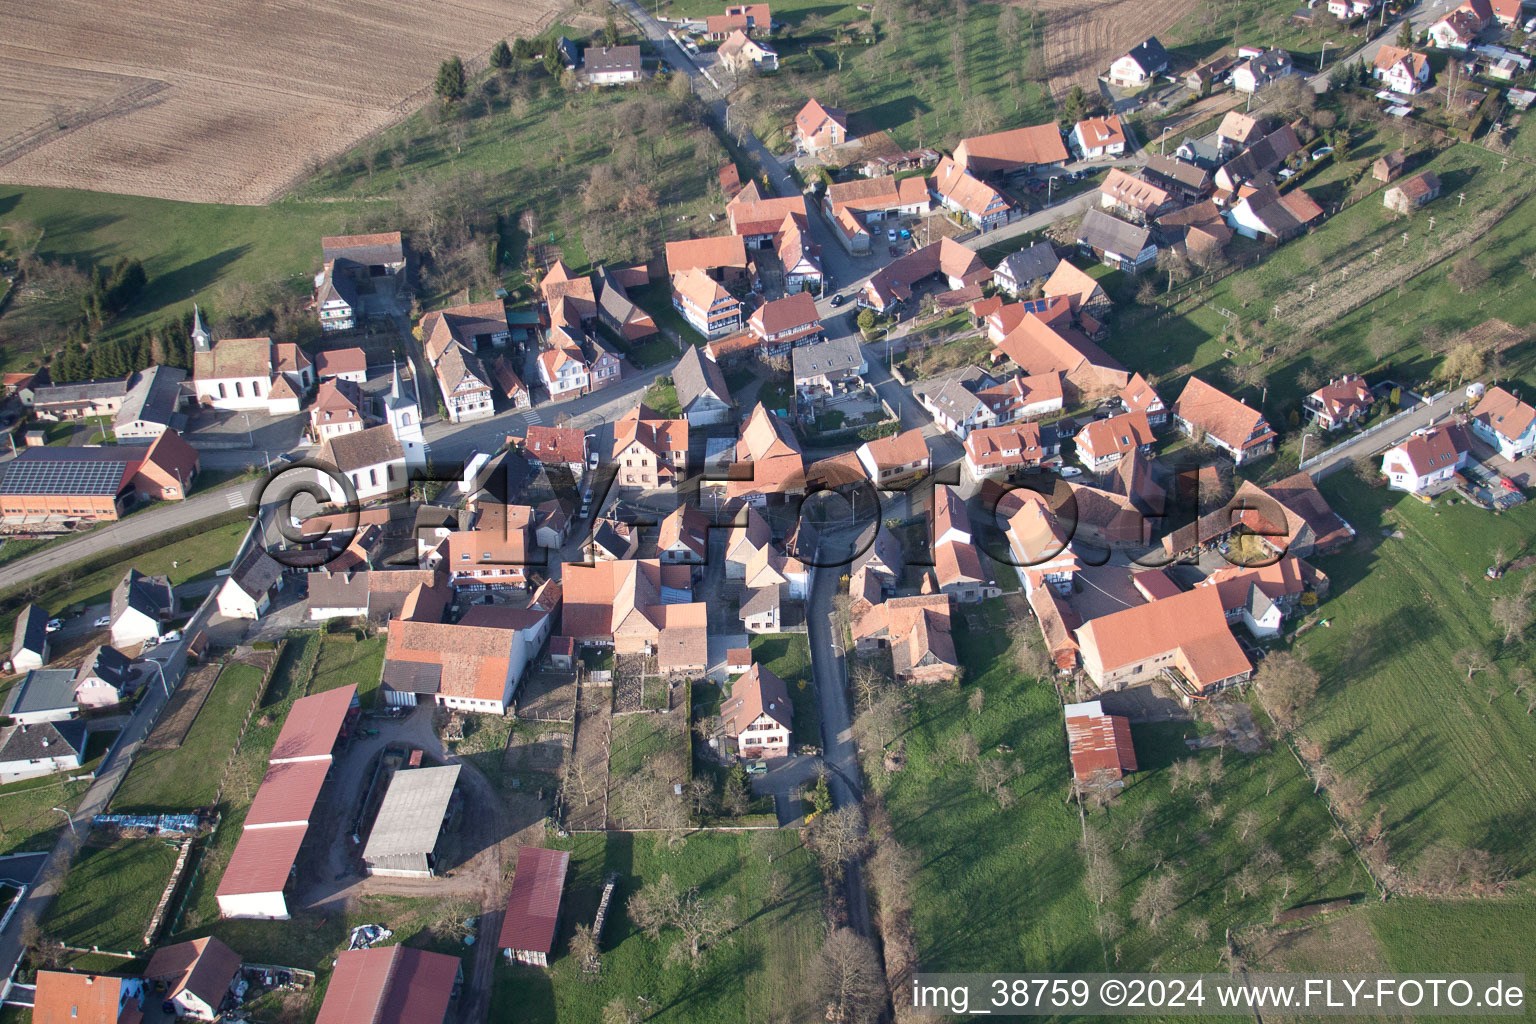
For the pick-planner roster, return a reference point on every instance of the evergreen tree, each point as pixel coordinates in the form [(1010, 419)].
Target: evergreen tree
[(610, 32), (552, 61), (521, 49), (451, 85), (501, 56)]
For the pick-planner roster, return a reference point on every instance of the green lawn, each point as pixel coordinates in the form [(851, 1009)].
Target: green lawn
[(188, 776), (111, 894), (1387, 334), (1443, 761), (343, 661), (908, 80), (662, 398), (28, 821), (1015, 875), (743, 981), (788, 656)]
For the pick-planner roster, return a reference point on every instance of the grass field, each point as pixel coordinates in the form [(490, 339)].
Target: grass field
[(344, 661), (743, 981), (112, 892), (1388, 333), (1435, 752), (28, 821), (663, 399), (188, 776), (1015, 875), (788, 656)]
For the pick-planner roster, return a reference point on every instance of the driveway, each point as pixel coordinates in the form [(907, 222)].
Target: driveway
[(1427, 412), (783, 781)]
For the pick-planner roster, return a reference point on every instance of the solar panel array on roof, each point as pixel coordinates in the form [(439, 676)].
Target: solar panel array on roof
[(1037, 305), (61, 476)]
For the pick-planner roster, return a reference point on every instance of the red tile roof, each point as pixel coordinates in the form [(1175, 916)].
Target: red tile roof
[(759, 692), (707, 253), (556, 445), (341, 360), (1097, 132), (203, 967), (64, 997), (1504, 414), (1193, 625), (1220, 415), (533, 907), (389, 985), (1004, 151)]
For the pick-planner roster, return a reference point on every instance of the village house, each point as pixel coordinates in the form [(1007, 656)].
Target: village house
[(1201, 78), (741, 53), (1099, 747), (701, 390), (1260, 71), (612, 540), (1460, 29), (1199, 231), (563, 367), (757, 222), (785, 324), (104, 678), (247, 591), (67, 997), (1402, 71), (1259, 596), (1340, 402), (1103, 443), (684, 537), (149, 407), (1389, 167), (533, 906), (1216, 418), (818, 127), (1039, 542), (80, 399), (916, 630), (828, 368), (1190, 182), (30, 751), (372, 460), (747, 537), (29, 644), (799, 257), (453, 341), (1021, 271), (952, 263), (769, 467), (336, 301), (1000, 452), (1506, 423), (1115, 242), (1346, 10), (1011, 152), (1087, 298), (1410, 194), (1257, 159), (704, 303), (1099, 137), (758, 714), (564, 448), (339, 408), (462, 666), (349, 364), (853, 205), (894, 461), (379, 255), (1132, 198), (1273, 215), (1183, 637), (649, 450), (140, 606), (615, 308), (1086, 372), (1139, 396), (1136, 68), (751, 19), (963, 193), (638, 607), (196, 976), (1426, 463), (612, 65)]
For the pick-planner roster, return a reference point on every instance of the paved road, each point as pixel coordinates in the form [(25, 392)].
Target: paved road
[(1423, 416), (148, 523), (837, 747)]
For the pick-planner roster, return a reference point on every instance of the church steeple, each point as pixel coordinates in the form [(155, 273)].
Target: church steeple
[(201, 341)]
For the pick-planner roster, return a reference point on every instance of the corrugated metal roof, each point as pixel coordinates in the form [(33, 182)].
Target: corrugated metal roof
[(389, 985), (534, 904), (288, 793), (262, 860), (412, 812), (313, 724)]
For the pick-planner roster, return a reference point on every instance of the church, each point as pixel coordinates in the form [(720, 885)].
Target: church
[(248, 374)]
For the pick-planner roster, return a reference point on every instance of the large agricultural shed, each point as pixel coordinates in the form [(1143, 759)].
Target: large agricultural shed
[(404, 838)]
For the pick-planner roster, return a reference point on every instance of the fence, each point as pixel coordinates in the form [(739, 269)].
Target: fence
[(1327, 453)]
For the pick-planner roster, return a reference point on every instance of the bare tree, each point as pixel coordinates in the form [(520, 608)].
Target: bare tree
[(1528, 261), (977, 699), (1468, 272), (838, 837), (1136, 829), (1028, 648), (868, 683), (1247, 883), (849, 978), (1157, 899), (993, 776), (881, 723), (965, 749), (584, 948), (1512, 614), (1100, 876), (1286, 685), (1324, 857), (1247, 822), (618, 1010), (1471, 660), (1199, 929)]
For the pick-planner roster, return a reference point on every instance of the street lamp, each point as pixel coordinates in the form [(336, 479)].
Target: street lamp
[(1162, 142), (68, 819), (161, 669), (1050, 187)]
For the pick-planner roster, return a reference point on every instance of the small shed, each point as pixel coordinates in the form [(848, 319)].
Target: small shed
[(1389, 167), (404, 838), (1100, 746), (36, 438), (562, 652), (533, 908), (197, 975), (1412, 193)]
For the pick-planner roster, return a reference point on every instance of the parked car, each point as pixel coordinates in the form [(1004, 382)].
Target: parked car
[(890, 234), (1070, 471), (757, 768), (103, 622), (171, 637), (1286, 173), (1321, 151), (905, 233), (592, 461), (53, 625)]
